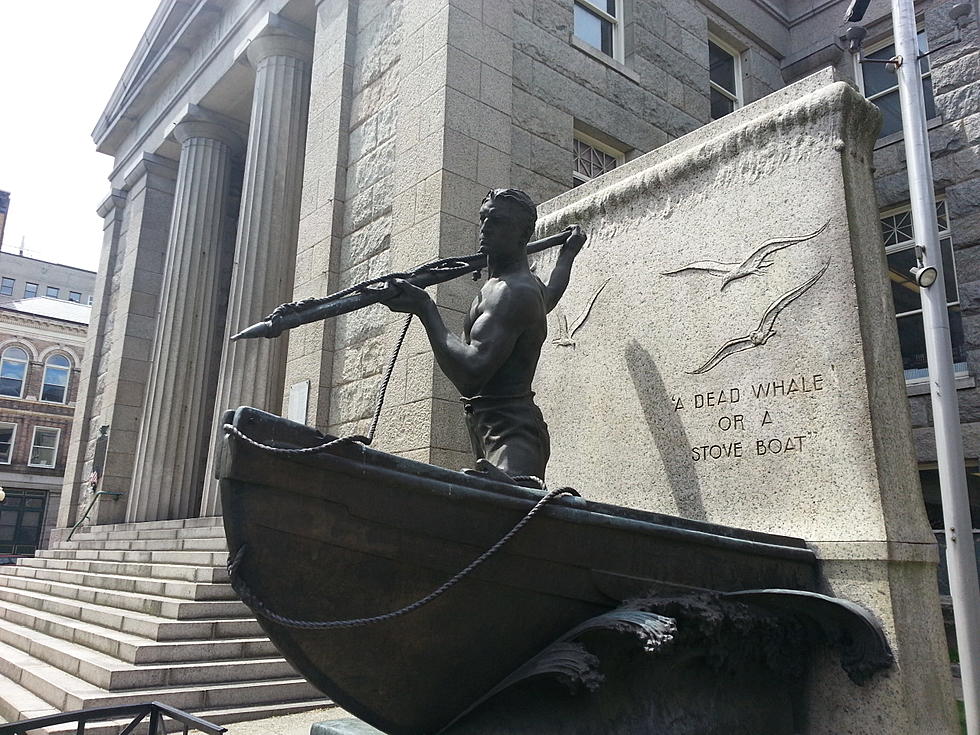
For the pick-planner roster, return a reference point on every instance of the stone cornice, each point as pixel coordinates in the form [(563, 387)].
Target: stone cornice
[(175, 30), (853, 127), (153, 51), (42, 327), (142, 109)]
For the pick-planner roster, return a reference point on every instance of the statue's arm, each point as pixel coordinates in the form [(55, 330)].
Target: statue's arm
[(469, 365), (561, 273)]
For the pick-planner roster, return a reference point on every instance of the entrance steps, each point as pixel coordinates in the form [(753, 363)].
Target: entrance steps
[(133, 613)]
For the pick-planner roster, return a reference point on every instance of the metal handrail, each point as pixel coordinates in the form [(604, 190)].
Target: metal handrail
[(156, 710), (95, 496)]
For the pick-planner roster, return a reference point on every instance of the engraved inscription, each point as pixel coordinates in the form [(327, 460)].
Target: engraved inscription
[(745, 416)]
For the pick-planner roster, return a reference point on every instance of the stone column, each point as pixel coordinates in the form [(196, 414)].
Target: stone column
[(252, 371), (78, 466), (174, 432), (120, 345)]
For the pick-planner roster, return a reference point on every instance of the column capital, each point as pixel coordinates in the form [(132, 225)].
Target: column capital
[(195, 121), (188, 129), (161, 170), (112, 203), (290, 39), (263, 47)]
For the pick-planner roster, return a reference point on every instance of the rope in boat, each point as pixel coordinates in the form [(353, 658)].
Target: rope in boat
[(360, 439), (250, 599)]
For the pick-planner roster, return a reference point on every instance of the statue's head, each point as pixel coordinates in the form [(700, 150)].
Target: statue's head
[(507, 218)]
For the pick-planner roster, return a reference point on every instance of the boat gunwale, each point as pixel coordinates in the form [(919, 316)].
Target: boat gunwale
[(568, 510)]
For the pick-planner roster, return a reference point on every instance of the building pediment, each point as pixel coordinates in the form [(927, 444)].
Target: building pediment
[(174, 30)]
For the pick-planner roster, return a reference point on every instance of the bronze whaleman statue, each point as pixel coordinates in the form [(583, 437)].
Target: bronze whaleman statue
[(492, 364)]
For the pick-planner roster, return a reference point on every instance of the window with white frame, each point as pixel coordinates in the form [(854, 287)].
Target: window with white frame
[(44, 447), (725, 78), (54, 386), (7, 433), (880, 85), (896, 228), (13, 371), (592, 158), (600, 24)]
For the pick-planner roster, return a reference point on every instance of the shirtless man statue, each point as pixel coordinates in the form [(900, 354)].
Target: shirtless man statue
[(493, 363)]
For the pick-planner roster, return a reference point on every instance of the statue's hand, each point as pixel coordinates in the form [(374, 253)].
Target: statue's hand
[(576, 239), (405, 297)]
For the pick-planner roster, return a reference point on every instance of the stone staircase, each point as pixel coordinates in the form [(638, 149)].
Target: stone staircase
[(134, 613)]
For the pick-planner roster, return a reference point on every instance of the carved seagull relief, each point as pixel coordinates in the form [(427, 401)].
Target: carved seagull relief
[(761, 334), (753, 265), (564, 337)]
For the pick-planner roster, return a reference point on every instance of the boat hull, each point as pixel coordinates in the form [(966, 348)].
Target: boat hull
[(353, 533)]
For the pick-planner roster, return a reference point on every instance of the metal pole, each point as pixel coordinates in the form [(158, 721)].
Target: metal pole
[(961, 560)]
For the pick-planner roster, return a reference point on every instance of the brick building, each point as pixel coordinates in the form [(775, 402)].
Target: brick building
[(41, 343)]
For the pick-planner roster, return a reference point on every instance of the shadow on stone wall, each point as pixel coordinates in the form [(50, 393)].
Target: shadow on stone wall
[(667, 432)]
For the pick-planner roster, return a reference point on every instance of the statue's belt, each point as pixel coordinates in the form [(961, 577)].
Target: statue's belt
[(473, 402)]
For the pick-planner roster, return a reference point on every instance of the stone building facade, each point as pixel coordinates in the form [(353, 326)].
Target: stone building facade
[(41, 342), (272, 150), (22, 277)]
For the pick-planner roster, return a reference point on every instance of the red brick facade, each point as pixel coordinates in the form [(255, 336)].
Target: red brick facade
[(41, 338)]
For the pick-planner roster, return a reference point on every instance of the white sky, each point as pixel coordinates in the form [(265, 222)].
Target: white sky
[(59, 62)]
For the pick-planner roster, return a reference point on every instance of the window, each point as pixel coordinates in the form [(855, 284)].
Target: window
[(7, 286), (21, 517), (881, 85), (13, 370), (44, 447), (592, 158), (52, 292), (30, 290), (57, 370), (7, 432), (597, 22), (725, 78), (896, 228), (89, 300), (75, 296)]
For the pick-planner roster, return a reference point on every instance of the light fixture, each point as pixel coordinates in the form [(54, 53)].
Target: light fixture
[(855, 37), (3, 495), (960, 15), (925, 277)]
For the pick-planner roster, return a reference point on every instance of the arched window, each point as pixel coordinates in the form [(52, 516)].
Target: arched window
[(57, 370), (13, 371)]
